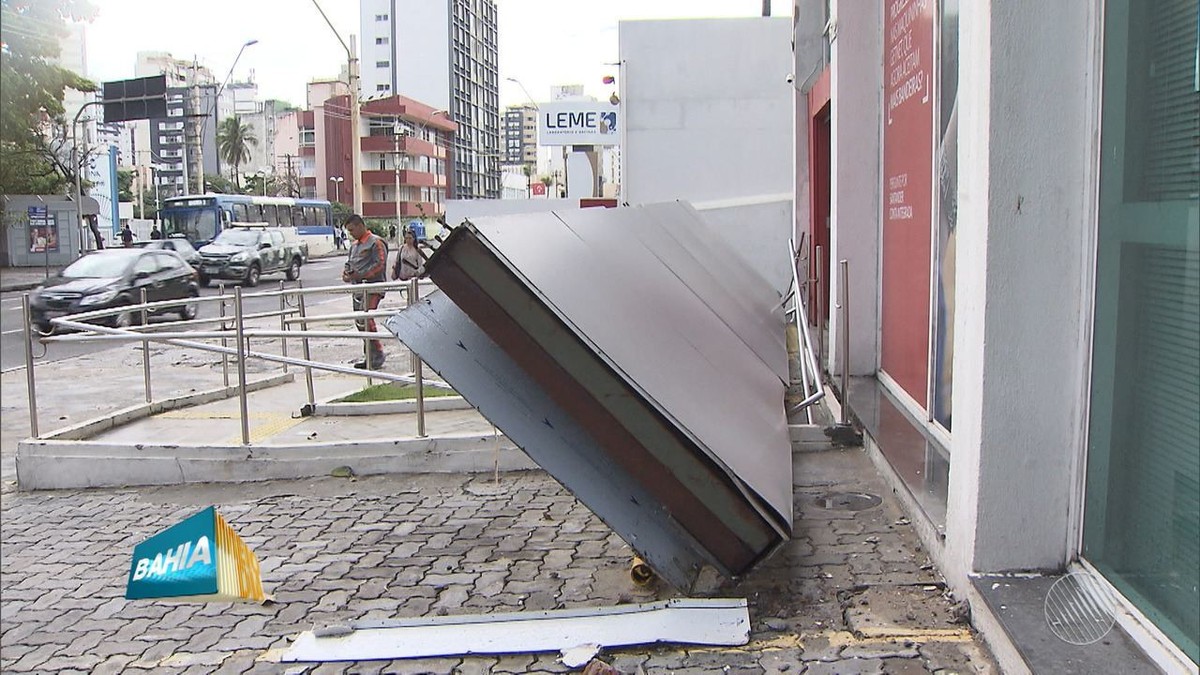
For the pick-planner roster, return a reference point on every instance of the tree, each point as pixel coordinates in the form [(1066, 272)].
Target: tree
[(234, 141), (220, 185), (34, 133)]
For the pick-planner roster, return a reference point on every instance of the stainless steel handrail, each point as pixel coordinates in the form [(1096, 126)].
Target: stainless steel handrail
[(232, 328)]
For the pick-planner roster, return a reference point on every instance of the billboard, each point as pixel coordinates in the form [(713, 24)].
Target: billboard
[(141, 99), (579, 123)]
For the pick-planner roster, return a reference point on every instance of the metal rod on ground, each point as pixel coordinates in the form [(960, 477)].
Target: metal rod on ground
[(224, 342), (845, 265), (145, 348), (282, 309), (308, 378), (413, 292), (30, 387), (241, 357)]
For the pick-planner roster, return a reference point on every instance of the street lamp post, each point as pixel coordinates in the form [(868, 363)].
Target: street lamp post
[(204, 120), (337, 183), (352, 83)]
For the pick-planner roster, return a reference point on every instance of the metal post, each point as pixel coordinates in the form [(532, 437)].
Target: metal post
[(411, 296), (283, 322), (413, 292), (241, 357), (146, 350), (224, 342), (845, 275), (366, 343), (30, 386), (308, 376), (818, 292)]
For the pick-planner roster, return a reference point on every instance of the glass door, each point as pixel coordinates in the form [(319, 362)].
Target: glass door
[(1142, 501)]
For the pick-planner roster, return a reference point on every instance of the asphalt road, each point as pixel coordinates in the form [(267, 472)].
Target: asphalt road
[(319, 272)]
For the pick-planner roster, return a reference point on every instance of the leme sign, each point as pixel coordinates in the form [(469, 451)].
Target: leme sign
[(579, 123)]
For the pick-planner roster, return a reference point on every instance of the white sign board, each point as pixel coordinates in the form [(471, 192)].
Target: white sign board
[(579, 123)]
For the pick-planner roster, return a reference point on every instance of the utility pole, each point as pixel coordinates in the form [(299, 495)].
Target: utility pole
[(192, 140), (355, 143), (397, 133), (292, 187)]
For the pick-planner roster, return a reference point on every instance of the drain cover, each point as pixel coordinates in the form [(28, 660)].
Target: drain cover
[(847, 501)]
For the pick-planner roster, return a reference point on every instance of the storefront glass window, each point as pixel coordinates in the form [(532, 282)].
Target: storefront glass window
[(1142, 512)]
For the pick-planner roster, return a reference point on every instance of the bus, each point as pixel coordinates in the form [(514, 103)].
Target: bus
[(200, 217)]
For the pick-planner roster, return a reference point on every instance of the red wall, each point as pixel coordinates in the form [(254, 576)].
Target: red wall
[(908, 77)]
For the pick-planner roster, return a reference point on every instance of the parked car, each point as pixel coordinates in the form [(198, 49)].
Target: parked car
[(114, 278), (179, 244), (246, 253)]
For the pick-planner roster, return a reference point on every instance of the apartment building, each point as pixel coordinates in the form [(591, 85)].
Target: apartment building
[(444, 54), (520, 136)]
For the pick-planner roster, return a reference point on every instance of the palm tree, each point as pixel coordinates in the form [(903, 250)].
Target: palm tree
[(234, 141)]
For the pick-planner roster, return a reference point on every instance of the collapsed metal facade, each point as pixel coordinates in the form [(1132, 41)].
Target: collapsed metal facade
[(637, 360)]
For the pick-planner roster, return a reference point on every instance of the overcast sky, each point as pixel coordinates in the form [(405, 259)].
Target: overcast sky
[(542, 42)]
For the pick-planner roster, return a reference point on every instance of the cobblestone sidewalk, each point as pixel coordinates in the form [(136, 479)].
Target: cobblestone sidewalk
[(852, 593)]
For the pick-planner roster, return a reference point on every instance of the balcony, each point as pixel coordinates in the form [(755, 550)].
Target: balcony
[(414, 178), (408, 145), (407, 209)]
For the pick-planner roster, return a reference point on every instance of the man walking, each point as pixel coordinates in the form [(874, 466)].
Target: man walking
[(365, 264)]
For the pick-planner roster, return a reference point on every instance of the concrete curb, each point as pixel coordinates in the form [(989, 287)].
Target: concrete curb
[(66, 464), (407, 406)]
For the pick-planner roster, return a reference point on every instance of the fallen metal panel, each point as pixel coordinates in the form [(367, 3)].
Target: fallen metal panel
[(718, 622), (736, 292), (654, 331), (454, 346), (714, 506)]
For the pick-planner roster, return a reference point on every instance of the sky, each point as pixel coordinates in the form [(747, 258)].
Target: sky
[(542, 43)]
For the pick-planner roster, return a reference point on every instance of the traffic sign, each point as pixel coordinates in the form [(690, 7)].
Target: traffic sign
[(144, 98)]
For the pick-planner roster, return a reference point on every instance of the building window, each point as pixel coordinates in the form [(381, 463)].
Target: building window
[(382, 87), (381, 17), (382, 64), (381, 41), (1143, 478)]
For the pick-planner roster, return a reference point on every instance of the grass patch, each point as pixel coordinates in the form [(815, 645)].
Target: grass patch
[(393, 391)]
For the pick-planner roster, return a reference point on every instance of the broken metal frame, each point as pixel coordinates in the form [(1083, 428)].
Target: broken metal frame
[(810, 371)]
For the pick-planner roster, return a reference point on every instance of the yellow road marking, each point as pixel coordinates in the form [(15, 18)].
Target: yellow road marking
[(276, 424)]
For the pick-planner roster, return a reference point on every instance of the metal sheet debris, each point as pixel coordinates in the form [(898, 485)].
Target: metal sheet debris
[(716, 622), (663, 353), (484, 375)]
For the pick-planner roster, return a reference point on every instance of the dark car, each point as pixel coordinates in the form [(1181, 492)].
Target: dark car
[(178, 244), (112, 278)]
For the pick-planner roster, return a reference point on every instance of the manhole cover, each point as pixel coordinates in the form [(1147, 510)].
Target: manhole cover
[(847, 501)]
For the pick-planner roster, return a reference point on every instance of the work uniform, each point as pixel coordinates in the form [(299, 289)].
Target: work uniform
[(366, 263)]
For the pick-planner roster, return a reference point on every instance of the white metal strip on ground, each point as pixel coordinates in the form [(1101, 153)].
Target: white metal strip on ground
[(722, 622)]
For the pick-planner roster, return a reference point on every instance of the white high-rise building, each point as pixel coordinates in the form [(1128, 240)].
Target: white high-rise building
[(443, 54)]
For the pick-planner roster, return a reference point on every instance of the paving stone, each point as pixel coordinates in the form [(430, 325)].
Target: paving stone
[(112, 665), (845, 667)]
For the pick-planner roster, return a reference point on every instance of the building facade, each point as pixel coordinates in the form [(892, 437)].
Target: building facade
[(407, 151), (400, 39), (520, 135), (1017, 209)]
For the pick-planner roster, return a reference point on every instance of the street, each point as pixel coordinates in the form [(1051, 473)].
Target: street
[(318, 272)]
